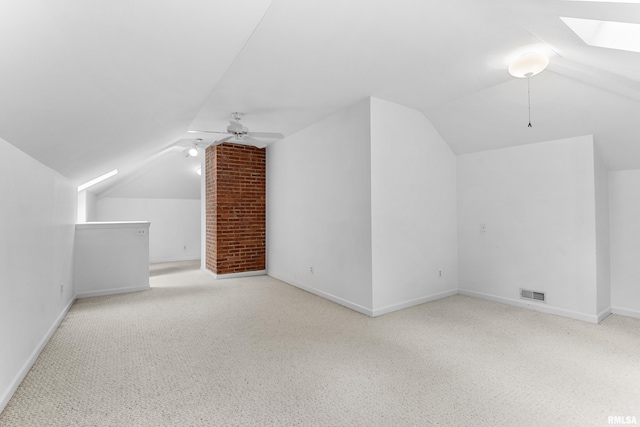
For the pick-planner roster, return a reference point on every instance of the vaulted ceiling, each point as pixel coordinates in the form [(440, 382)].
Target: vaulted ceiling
[(88, 86)]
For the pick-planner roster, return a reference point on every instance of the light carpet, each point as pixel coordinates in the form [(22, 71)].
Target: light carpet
[(255, 351)]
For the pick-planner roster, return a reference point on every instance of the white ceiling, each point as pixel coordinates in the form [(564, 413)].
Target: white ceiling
[(89, 86), (169, 175)]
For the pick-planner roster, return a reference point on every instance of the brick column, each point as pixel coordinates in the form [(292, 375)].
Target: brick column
[(236, 208)]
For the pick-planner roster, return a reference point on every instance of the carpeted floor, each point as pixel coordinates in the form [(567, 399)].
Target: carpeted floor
[(257, 352)]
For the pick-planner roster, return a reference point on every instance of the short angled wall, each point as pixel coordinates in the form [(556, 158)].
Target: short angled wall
[(111, 258), (6, 395), (175, 224), (38, 212)]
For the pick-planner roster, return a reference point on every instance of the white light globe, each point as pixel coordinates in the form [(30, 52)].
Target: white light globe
[(528, 65)]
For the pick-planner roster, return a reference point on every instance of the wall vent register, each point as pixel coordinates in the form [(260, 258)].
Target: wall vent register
[(532, 295)]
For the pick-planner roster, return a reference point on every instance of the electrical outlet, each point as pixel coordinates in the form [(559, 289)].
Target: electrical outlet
[(142, 232), (440, 273), (311, 270)]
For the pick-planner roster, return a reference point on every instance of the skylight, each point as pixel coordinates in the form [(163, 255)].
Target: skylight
[(609, 34), (97, 180)]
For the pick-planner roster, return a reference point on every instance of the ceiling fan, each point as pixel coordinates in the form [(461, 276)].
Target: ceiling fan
[(239, 134)]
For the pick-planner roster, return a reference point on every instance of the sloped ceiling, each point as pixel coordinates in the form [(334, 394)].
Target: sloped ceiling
[(169, 175), (90, 86)]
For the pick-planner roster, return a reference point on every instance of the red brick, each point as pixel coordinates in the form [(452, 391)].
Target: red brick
[(236, 208)]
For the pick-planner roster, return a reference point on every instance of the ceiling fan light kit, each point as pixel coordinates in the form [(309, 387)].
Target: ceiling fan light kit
[(190, 152)]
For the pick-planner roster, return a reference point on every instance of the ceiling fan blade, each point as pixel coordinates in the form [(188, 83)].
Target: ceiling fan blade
[(205, 131), (266, 135), (220, 141), (254, 142)]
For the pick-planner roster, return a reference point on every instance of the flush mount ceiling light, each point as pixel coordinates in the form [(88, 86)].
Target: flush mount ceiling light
[(527, 66)]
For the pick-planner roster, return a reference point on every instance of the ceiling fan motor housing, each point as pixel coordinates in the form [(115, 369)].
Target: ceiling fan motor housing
[(237, 128)]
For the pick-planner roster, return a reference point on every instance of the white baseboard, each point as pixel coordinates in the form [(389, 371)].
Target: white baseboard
[(604, 314), (113, 291), (173, 259), (411, 303), (353, 306), (544, 308), (625, 312), (26, 367), (233, 275)]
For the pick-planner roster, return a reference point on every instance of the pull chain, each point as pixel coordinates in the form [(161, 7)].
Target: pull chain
[(529, 100)]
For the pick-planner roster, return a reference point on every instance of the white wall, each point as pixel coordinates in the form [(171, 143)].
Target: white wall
[(111, 258), (175, 224), (603, 250), (91, 206), (624, 205), (38, 212), (413, 209), (86, 207), (319, 208), (538, 204), (81, 206)]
